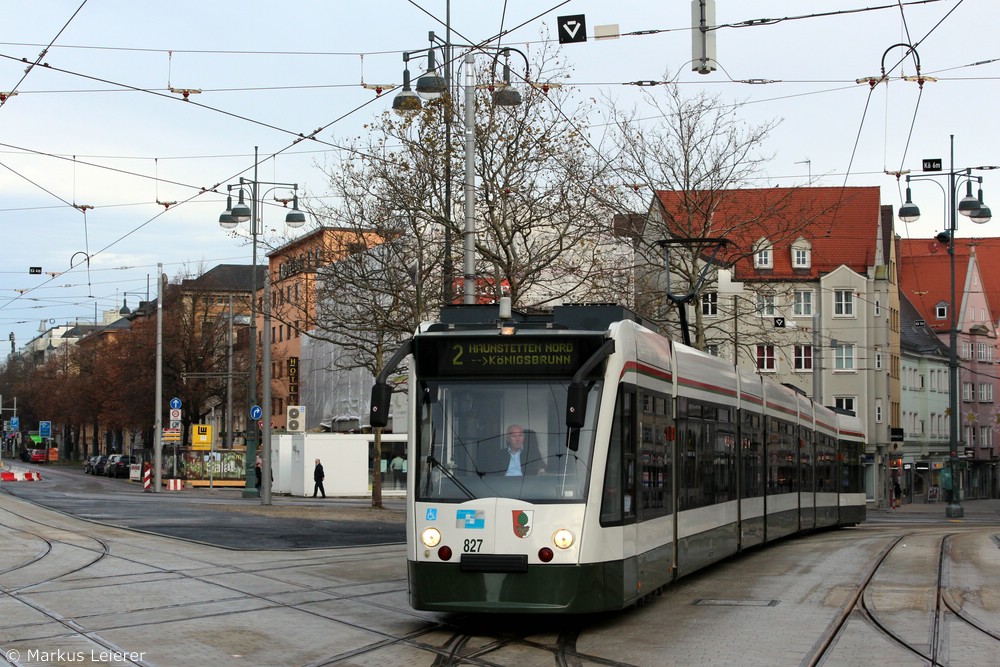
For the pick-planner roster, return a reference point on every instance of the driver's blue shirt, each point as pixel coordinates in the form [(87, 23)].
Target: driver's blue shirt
[(514, 469)]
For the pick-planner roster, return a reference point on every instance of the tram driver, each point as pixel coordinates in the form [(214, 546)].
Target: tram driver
[(519, 456)]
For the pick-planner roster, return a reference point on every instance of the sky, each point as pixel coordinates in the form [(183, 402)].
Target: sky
[(94, 146)]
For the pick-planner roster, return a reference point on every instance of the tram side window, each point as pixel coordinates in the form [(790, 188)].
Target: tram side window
[(826, 455), (707, 441), (752, 455), (655, 456), (781, 459), (806, 459), (852, 469), (616, 504)]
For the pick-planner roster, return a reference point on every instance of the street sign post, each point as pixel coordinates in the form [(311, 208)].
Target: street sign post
[(201, 437)]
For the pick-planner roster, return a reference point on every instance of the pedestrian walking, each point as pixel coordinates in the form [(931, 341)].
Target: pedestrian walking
[(398, 468), (318, 477)]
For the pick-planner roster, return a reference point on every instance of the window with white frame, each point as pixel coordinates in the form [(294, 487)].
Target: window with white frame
[(844, 402), (966, 350), (766, 361), (843, 357), (712, 349), (878, 410), (803, 305), (803, 357), (763, 257), (878, 360), (765, 304), (985, 437), (968, 391), (710, 303), (843, 303), (941, 311), (985, 352), (970, 436), (985, 392), (801, 254), (878, 308)]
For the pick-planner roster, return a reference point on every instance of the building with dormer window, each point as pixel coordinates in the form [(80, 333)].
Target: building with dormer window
[(804, 290), (926, 281)]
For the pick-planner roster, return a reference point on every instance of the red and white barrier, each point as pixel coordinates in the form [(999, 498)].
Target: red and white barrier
[(19, 476), (175, 485), (147, 479)]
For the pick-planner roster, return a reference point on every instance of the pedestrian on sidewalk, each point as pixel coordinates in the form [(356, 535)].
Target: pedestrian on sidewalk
[(258, 471), (318, 477)]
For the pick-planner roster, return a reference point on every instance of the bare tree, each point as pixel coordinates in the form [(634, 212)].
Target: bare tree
[(542, 236), (702, 165)]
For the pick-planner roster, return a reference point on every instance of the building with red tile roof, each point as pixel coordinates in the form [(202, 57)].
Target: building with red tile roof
[(803, 290), (925, 278)]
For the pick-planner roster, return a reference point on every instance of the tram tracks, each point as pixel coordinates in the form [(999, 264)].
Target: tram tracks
[(452, 640), (881, 600)]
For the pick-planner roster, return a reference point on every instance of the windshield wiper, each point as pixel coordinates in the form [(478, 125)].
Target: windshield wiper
[(450, 475)]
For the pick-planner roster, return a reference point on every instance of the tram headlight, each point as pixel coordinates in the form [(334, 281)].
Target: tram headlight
[(563, 538), (431, 537)]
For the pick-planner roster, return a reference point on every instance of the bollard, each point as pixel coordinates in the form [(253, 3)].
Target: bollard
[(147, 478)]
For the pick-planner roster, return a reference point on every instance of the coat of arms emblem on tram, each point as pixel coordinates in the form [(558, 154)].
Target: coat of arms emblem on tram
[(522, 522)]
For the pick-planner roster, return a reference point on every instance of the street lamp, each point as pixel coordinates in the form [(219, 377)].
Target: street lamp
[(978, 212), (432, 86), (229, 219), (125, 310)]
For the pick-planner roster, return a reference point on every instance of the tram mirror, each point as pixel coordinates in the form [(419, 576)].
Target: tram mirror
[(576, 405), (379, 415), (573, 442)]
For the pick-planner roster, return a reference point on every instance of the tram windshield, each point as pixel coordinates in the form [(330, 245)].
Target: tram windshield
[(468, 437)]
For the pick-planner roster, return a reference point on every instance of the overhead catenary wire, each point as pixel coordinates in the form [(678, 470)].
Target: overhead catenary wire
[(748, 25)]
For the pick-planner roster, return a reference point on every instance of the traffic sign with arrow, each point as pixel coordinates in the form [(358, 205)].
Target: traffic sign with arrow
[(572, 29)]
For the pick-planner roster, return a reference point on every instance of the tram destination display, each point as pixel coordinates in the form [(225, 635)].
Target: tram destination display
[(558, 356)]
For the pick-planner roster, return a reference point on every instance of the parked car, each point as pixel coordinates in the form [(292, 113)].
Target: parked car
[(90, 463), (110, 464), (99, 466), (39, 456), (118, 466)]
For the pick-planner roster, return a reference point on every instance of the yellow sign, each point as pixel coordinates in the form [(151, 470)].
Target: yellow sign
[(201, 437)]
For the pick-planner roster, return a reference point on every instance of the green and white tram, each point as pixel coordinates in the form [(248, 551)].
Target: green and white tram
[(639, 460)]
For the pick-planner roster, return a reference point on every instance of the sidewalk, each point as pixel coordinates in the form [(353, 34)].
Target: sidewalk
[(980, 509)]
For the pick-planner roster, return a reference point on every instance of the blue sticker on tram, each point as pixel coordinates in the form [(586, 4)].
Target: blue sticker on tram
[(475, 519), (432, 514)]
